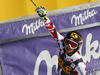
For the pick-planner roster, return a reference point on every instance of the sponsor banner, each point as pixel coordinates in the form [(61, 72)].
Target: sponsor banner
[(39, 56), (63, 21)]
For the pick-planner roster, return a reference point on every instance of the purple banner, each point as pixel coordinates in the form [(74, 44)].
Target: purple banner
[(63, 21), (39, 56)]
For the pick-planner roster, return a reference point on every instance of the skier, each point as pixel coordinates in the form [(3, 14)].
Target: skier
[(70, 61)]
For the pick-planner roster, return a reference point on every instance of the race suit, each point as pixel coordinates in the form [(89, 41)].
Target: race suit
[(67, 65)]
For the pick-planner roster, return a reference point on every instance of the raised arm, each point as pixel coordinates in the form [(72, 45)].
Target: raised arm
[(48, 24)]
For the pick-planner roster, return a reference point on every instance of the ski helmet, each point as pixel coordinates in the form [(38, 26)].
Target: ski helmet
[(76, 37)]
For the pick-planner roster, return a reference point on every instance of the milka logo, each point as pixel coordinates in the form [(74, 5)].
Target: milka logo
[(45, 55), (30, 29), (91, 50), (83, 17)]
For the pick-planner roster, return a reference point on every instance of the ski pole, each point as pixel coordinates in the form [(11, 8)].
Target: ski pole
[(34, 4)]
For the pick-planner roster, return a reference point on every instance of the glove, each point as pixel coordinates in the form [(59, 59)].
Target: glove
[(41, 11)]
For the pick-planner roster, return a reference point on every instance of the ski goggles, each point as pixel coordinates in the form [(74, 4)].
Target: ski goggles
[(71, 43)]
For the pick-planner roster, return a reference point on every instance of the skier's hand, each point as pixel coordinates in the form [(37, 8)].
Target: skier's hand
[(41, 11)]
